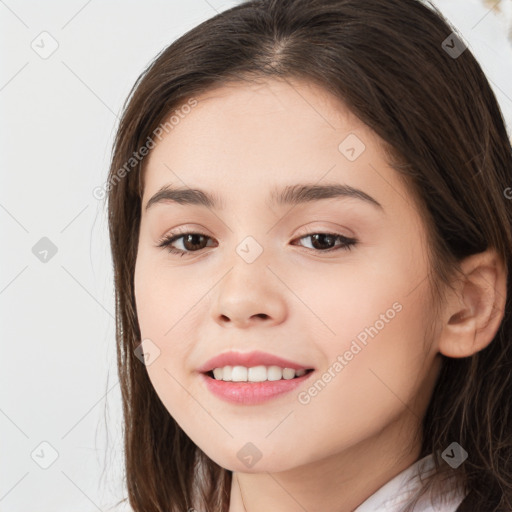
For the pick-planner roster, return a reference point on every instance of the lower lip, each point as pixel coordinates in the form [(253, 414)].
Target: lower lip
[(251, 393)]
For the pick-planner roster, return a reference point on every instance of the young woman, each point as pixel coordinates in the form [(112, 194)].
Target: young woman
[(310, 208)]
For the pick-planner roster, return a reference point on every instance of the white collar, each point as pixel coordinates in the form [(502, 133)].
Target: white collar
[(393, 495)]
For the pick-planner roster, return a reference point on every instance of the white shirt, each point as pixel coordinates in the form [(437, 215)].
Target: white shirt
[(396, 493)]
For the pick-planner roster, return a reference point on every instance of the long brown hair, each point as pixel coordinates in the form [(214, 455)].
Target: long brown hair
[(444, 133)]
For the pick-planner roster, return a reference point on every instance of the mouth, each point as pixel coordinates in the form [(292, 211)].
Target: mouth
[(239, 375), (255, 363), (254, 389), (252, 378)]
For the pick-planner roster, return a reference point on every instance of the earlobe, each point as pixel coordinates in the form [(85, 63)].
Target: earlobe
[(475, 308)]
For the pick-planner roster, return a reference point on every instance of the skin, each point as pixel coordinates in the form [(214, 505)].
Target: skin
[(241, 141)]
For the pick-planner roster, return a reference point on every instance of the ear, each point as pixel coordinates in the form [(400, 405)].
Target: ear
[(475, 308)]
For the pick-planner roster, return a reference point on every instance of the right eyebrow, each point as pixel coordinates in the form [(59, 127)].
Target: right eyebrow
[(185, 196)]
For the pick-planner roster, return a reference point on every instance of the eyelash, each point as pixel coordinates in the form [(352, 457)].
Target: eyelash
[(347, 243)]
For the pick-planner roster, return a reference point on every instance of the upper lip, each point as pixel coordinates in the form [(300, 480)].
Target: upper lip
[(249, 359)]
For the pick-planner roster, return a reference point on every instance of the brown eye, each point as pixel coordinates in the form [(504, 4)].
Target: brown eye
[(192, 242), (323, 242)]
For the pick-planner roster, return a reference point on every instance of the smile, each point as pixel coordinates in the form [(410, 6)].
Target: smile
[(243, 392), (256, 373)]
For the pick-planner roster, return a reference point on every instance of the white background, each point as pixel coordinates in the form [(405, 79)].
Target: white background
[(58, 117)]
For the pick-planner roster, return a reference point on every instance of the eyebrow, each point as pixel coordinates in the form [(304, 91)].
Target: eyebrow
[(289, 195)]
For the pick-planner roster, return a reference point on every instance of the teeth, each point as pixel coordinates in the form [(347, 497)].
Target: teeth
[(255, 373), (218, 372), (238, 374)]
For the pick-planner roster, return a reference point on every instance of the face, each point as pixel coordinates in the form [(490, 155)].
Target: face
[(336, 284)]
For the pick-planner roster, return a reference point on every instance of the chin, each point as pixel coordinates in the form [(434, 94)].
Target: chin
[(275, 463)]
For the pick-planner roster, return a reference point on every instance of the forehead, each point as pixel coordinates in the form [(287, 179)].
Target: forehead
[(241, 137)]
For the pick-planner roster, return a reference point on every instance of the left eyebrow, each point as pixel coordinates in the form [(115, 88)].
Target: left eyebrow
[(289, 195), (306, 192)]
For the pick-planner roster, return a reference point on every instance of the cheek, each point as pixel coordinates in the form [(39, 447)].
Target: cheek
[(366, 385), (374, 349), (165, 310), (162, 295)]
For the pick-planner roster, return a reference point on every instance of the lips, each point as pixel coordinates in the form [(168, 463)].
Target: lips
[(249, 359)]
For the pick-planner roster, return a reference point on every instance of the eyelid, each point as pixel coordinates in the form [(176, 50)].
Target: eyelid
[(303, 230), (339, 230), (184, 230)]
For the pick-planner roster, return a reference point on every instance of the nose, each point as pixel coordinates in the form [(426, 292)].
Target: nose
[(249, 296)]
